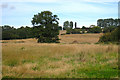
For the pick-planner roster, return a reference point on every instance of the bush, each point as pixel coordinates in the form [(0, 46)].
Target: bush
[(105, 38), (69, 31), (76, 31), (108, 29), (113, 36), (95, 29)]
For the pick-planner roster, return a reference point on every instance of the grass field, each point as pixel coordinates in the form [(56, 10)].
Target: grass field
[(77, 56)]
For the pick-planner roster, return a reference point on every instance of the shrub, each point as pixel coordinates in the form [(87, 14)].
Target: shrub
[(76, 31), (113, 36), (95, 29), (69, 31), (108, 29)]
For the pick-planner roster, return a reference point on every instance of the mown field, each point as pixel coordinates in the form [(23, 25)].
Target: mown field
[(77, 56)]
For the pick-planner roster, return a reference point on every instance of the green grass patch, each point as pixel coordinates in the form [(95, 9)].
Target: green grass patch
[(27, 61), (12, 63)]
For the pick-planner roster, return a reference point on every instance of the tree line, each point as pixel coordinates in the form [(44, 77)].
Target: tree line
[(103, 25), (9, 32), (108, 22)]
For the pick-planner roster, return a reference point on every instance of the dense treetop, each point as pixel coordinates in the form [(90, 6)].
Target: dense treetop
[(47, 26)]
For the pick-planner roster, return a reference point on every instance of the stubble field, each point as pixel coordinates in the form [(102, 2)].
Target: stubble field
[(77, 56)]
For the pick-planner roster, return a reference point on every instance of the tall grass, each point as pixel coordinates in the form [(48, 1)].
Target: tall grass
[(59, 60), (36, 60), (80, 38)]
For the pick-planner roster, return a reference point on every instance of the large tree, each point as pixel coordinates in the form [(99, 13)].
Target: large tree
[(75, 25), (46, 25), (71, 24), (66, 25)]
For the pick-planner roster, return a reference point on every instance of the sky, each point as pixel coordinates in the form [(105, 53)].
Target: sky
[(19, 13)]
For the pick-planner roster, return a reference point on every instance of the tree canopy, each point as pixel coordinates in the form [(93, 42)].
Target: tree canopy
[(75, 24), (66, 25), (108, 22), (47, 27), (71, 24), (9, 32)]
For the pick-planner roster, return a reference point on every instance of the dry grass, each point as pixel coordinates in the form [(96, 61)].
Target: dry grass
[(68, 38), (62, 32), (31, 40), (31, 59), (80, 38)]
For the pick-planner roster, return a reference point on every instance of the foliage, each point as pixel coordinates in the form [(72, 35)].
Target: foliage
[(95, 29), (66, 25), (83, 27), (111, 36), (75, 24), (9, 32), (68, 31), (108, 22), (71, 24), (76, 31), (83, 30), (47, 24), (60, 27), (108, 29), (73, 31)]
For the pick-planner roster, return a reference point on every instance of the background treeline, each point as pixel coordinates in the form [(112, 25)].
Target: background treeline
[(68, 26), (84, 29), (108, 22), (103, 25), (93, 29), (9, 32)]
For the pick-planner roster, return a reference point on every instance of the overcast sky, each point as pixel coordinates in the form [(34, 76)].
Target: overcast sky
[(19, 13)]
